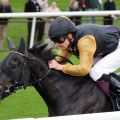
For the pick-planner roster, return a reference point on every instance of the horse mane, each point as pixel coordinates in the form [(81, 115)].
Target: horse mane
[(41, 51)]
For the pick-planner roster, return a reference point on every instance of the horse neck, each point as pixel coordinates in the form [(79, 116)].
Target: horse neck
[(63, 93), (58, 91), (45, 86), (38, 68)]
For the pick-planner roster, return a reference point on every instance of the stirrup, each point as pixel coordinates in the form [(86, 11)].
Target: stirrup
[(115, 85), (118, 102)]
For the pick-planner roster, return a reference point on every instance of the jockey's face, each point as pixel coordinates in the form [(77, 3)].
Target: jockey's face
[(66, 43)]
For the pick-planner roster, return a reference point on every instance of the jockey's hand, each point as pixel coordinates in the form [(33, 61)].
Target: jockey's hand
[(55, 65)]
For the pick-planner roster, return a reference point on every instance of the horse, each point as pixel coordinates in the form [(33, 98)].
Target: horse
[(63, 94)]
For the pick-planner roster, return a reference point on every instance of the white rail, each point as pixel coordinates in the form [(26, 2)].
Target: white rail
[(55, 14), (94, 116)]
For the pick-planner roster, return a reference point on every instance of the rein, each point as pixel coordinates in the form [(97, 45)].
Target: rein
[(67, 60), (13, 88)]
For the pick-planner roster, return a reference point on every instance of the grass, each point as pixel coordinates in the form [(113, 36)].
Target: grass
[(23, 104), (27, 103)]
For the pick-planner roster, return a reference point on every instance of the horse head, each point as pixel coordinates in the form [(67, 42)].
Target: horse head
[(23, 67), (14, 73)]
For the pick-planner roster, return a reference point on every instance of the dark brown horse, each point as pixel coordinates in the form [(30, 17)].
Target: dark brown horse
[(64, 94)]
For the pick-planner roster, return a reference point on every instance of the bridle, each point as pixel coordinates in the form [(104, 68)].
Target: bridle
[(12, 88)]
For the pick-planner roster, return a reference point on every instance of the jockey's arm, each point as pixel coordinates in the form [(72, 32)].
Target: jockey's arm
[(87, 47)]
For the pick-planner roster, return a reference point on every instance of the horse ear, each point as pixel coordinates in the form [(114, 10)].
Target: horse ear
[(10, 43), (22, 47)]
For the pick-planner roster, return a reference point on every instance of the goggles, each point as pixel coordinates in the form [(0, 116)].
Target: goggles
[(59, 40)]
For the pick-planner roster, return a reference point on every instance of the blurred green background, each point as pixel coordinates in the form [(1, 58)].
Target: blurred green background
[(27, 103)]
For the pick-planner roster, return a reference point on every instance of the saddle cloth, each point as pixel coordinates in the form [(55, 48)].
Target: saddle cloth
[(114, 98)]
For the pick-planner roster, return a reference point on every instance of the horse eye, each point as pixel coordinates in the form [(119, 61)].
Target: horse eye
[(13, 63)]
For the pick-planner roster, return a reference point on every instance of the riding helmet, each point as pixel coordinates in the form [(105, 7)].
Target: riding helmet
[(60, 27)]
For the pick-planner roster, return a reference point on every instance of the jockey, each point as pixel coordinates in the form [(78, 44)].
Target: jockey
[(87, 42)]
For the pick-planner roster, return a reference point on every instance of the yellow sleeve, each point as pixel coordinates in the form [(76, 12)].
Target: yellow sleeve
[(62, 53), (87, 47)]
